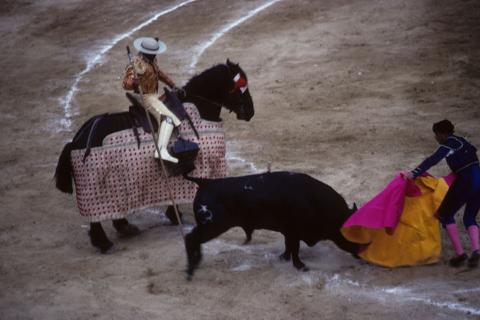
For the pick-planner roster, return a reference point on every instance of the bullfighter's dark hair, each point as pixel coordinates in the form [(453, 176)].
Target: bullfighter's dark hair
[(444, 126)]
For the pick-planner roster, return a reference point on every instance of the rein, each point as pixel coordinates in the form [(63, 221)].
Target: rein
[(211, 101), (215, 103)]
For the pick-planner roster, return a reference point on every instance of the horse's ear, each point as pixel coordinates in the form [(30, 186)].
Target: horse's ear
[(230, 63)]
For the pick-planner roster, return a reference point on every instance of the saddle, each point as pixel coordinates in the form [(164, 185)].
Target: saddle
[(185, 151), (172, 102), (136, 117)]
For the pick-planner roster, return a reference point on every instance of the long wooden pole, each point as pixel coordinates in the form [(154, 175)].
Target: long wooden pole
[(155, 142)]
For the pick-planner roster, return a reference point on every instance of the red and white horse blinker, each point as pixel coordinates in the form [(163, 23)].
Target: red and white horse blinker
[(239, 83)]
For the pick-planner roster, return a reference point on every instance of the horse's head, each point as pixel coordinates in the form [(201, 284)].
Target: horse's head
[(237, 97), (221, 85)]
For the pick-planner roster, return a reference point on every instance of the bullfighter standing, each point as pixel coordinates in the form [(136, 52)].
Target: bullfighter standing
[(462, 158), (145, 66)]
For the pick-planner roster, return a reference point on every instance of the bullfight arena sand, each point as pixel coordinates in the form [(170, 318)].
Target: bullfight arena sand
[(344, 90)]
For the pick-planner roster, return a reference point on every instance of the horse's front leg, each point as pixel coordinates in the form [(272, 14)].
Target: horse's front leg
[(98, 238)]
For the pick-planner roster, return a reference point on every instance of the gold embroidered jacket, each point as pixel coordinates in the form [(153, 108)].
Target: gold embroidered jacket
[(148, 73)]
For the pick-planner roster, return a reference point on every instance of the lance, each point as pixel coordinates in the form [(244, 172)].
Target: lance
[(155, 142)]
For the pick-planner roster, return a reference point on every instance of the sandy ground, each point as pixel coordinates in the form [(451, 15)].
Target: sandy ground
[(344, 90)]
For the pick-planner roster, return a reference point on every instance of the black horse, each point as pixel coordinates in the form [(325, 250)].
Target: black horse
[(223, 85)]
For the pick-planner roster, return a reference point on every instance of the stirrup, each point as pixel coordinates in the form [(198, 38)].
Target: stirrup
[(165, 155)]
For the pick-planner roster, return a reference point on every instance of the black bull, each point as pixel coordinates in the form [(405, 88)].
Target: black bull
[(294, 204)]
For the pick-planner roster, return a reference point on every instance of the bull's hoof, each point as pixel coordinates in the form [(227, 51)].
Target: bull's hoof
[(284, 257), (304, 269), (128, 231), (248, 235), (189, 272), (300, 266)]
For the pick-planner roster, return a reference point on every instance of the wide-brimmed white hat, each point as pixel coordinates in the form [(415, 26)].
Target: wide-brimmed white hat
[(149, 45)]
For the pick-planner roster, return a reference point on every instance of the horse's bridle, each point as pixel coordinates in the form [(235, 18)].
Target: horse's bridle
[(240, 108), (229, 108)]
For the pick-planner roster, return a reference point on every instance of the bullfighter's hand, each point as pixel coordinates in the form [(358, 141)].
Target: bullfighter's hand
[(181, 93), (135, 83), (407, 175)]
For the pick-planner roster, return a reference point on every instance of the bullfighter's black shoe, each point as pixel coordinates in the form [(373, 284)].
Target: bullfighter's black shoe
[(458, 260), (474, 259)]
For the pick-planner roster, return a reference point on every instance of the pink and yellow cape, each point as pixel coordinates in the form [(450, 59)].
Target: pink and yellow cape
[(399, 225)]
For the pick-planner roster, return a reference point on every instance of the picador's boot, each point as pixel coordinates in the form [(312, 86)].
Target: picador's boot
[(164, 134), (474, 241), (460, 257)]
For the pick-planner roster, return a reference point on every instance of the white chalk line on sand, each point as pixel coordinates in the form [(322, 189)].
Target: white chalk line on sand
[(341, 285), (470, 290), (96, 58), (217, 35), (401, 294), (250, 165)]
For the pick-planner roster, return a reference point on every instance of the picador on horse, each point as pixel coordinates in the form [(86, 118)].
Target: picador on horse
[(113, 159), (142, 76)]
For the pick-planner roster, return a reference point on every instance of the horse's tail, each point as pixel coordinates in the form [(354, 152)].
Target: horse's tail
[(198, 181), (63, 172)]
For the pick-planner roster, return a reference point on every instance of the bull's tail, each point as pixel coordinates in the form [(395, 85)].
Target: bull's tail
[(63, 172), (198, 181)]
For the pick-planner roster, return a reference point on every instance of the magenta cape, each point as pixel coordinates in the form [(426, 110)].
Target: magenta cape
[(385, 209)]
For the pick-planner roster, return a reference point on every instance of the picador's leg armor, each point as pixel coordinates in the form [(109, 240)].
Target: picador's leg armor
[(164, 134), (166, 126)]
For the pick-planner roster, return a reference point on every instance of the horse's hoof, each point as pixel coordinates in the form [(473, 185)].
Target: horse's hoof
[(305, 269), (130, 230), (107, 251), (103, 245), (170, 214), (106, 248)]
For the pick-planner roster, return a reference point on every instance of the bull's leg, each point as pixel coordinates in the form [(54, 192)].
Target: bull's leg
[(248, 234), (170, 213), (98, 238), (287, 254), (292, 246), (194, 251), (125, 229), (200, 234)]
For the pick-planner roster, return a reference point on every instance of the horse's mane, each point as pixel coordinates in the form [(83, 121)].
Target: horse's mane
[(208, 80)]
